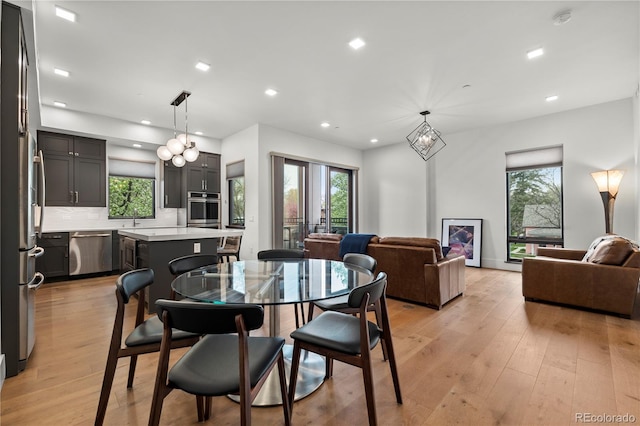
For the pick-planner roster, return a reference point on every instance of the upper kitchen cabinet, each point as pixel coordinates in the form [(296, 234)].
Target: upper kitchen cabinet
[(172, 185), (75, 170), (204, 174)]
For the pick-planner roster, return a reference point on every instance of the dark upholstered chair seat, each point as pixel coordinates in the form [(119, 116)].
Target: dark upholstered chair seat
[(334, 304), (210, 368), (337, 331), (150, 331)]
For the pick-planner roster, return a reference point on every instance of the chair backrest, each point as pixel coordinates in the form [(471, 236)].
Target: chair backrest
[(233, 243), (277, 254), (375, 289), (131, 282), (190, 262), (362, 260), (210, 318)]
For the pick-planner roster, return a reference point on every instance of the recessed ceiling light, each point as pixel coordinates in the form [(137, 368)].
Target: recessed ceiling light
[(146, 122), (356, 43), (551, 98), (65, 14), (374, 140), (137, 145), (535, 53), (61, 72), (271, 92), (59, 104), (198, 133), (325, 124), (202, 66)]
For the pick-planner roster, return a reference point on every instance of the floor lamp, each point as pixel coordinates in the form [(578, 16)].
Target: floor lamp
[(608, 182)]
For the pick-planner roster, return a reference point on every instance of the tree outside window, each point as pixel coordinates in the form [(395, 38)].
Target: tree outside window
[(236, 204), (534, 210), (129, 197)]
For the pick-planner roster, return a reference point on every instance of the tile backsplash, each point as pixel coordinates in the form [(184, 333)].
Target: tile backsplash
[(87, 218)]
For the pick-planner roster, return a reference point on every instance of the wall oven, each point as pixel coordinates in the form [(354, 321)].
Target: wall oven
[(203, 209)]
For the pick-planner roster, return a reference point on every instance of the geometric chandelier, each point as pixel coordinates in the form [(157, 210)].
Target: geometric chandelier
[(180, 148), (425, 140)]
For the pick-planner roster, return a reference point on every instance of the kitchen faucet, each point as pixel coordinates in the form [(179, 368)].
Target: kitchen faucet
[(135, 215)]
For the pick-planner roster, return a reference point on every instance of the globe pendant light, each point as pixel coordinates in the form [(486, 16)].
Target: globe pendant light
[(180, 148)]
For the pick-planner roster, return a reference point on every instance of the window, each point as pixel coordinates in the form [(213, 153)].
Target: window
[(534, 201), (235, 179), (131, 189)]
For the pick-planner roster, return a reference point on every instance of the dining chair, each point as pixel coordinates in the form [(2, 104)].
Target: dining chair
[(187, 263), (340, 303), (231, 248), (286, 254), (145, 337), (349, 339), (221, 363)]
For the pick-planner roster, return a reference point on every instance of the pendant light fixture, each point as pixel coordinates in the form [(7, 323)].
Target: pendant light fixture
[(180, 149), (425, 140)]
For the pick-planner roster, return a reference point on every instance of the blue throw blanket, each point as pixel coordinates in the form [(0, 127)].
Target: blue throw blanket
[(354, 243)]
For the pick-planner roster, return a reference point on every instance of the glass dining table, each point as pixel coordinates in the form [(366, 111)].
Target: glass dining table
[(274, 284)]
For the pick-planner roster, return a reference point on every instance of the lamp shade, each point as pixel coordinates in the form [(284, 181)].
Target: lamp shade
[(175, 146), (178, 161), (164, 153), (191, 154), (608, 180)]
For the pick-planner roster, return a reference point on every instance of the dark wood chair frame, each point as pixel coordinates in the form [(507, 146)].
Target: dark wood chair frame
[(226, 253), (362, 359), (361, 261), (116, 349), (247, 393)]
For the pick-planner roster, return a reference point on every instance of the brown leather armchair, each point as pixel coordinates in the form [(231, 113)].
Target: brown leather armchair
[(604, 278)]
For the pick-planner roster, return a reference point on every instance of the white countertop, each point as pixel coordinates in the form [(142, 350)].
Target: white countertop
[(169, 234)]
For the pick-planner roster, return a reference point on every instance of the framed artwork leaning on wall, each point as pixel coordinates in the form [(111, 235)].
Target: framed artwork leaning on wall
[(463, 236)]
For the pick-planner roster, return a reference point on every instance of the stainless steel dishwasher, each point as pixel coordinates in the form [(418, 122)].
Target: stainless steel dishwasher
[(89, 252)]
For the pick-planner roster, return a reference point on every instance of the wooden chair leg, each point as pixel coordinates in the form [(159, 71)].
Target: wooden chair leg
[(107, 382), (394, 371), (207, 407), (310, 316), (132, 370), (378, 312), (286, 407), (200, 407), (293, 378), (328, 372), (367, 374)]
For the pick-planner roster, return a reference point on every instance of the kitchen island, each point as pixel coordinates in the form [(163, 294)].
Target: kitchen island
[(155, 247)]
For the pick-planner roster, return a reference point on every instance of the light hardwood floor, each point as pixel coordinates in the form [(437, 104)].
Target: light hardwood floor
[(486, 358)]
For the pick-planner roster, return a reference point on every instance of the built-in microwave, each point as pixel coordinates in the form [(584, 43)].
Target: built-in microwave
[(203, 208)]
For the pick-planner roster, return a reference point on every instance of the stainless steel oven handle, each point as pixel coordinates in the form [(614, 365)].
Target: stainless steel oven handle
[(37, 276), (90, 235)]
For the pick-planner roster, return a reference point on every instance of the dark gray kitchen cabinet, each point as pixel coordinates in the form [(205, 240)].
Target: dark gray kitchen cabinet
[(204, 174), (55, 260), (75, 170), (172, 186)]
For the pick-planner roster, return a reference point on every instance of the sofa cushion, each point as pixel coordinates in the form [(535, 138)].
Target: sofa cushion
[(325, 236), (609, 250), (415, 242)]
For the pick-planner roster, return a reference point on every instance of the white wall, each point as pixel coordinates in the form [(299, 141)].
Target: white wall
[(467, 178), (277, 140), (394, 196), (244, 146)]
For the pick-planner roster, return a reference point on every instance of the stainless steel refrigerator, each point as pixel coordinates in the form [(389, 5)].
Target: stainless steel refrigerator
[(21, 194)]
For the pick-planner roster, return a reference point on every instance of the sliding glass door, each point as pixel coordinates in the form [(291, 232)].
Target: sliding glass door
[(310, 197)]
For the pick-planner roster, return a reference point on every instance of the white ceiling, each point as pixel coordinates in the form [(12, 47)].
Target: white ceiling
[(129, 60)]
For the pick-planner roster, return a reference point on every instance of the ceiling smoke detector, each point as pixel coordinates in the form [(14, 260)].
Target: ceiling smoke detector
[(562, 17)]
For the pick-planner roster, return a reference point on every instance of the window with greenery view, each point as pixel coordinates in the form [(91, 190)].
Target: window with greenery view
[(130, 196), (236, 203), (534, 206)]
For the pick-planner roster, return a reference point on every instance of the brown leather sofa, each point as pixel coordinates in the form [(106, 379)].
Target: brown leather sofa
[(416, 270), (605, 277)]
